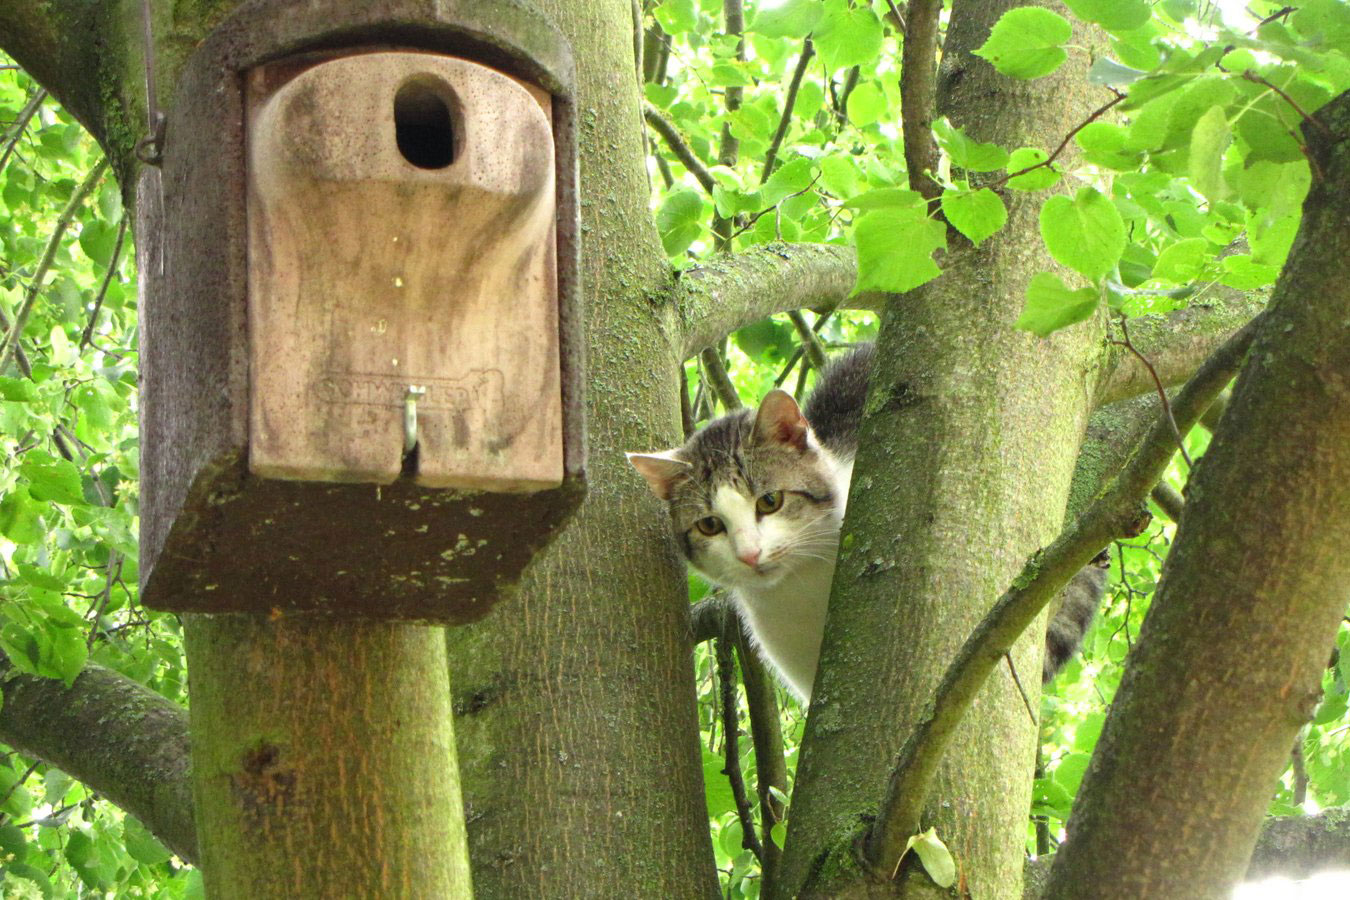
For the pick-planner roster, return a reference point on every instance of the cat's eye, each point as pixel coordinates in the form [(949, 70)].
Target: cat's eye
[(710, 525), (769, 503)]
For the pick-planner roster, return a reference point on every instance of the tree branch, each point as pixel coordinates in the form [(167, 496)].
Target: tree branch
[(918, 95), (731, 733), (731, 292), (49, 254), (58, 42), (1175, 343), (1289, 846), (771, 155), (1115, 513), (121, 739), (1229, 662), (717, 377), (770, 766), (675, 142)]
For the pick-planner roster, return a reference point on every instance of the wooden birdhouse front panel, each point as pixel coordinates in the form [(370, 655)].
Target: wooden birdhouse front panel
[(402, 274)]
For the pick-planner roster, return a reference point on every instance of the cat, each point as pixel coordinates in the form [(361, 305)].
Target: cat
[(757, 498)]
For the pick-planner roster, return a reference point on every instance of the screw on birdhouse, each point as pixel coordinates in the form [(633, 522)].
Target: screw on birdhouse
[(410, 417)]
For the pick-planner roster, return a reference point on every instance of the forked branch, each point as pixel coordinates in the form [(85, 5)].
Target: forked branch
[(1115, 513)]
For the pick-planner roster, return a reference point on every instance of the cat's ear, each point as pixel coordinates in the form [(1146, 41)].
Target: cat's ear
[(661, 470), (780, 420)]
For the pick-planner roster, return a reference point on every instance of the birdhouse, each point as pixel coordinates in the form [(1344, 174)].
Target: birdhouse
[(360, 351)]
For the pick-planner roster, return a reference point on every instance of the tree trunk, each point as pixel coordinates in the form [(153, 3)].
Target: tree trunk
[(323, 759), (967, 451), (1228, 665), (575, 702)]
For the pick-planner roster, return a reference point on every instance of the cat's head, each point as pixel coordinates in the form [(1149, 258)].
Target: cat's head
[(753, 496)]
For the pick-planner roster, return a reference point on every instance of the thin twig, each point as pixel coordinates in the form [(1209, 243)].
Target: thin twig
[(687, 422), (1249, 75), (1169, 500), (1115, 512), (671, 136), (1046, 163), (811, 345), (771, 156), (770, 765), (1026, 701), (53, 244), (918, 96), (21, 124), (1157, 383), (726, 676), (20, 357), (1300, 767), (88, 334), (729, 147), (716, 374)]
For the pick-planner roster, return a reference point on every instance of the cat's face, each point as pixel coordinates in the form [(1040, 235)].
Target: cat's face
[(753, 497)]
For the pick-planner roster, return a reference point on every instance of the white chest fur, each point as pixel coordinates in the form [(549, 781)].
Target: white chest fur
[(787, 622)]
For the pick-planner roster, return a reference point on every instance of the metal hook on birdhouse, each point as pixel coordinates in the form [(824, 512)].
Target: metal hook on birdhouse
[(414, 393)]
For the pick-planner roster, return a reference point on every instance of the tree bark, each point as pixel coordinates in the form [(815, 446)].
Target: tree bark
[(967, 449), (324, 759), (118, 737), (1228, 664), (575, 702)]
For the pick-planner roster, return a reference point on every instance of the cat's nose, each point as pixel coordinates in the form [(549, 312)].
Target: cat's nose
[(749, 557)]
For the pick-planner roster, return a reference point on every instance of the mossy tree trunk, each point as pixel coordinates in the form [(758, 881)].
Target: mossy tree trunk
[(575, 703), (1259, 562), (967, 452)]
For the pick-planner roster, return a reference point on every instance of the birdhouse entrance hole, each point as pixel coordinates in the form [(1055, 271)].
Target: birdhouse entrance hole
[(425, 124)]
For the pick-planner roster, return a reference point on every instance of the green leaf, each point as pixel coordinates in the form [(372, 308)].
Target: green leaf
[(721, 800), (1036, 179), (21, 518), (976, 214), (1105, 144), (1051, 305), (793, 19), (1085, 233), (676, 16), (679, 220), (966, 152), (867, 104), (1069, 773), (1107, 71), (13, 842), (847, 35), (1050, 797), (895, 249), (66, 654), (778, 834), (766, 338), (57, 481), (97, 239), (1026, 42), (1182, 262), (1209, 140), (141, 844), (1245, 274), (839, 175), (39, 577), (885, 198), (790, 179), (20, 390), (936, 858), (1113, 15)]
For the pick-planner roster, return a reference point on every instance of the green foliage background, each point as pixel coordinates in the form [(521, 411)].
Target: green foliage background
[(1193, 179)]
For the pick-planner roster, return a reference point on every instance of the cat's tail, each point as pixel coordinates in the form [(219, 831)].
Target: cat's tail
[(1077, 608)]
